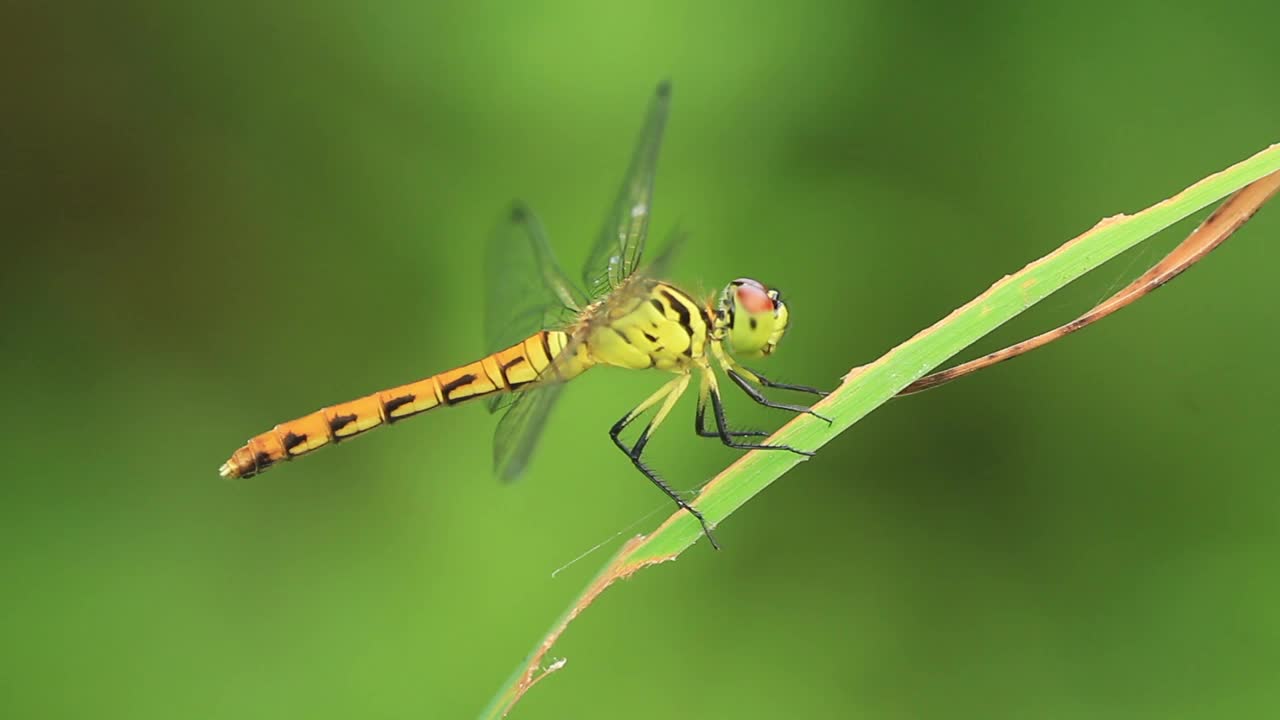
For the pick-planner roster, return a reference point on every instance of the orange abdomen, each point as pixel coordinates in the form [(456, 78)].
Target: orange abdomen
[(502, 371)]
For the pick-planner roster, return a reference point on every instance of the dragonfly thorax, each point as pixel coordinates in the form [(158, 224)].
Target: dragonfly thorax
[(654, 325), (750, 318)]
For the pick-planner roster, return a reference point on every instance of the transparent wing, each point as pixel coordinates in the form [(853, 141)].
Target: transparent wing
[(521, 426), (618, 249), (658, 268), (527, 290)]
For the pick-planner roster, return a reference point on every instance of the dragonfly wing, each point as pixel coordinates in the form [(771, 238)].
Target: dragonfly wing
[(521, 427), (620, 245), (527, 290), (661, 265)]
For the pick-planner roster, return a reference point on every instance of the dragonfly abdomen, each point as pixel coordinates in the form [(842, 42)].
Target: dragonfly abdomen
[(502, 371)]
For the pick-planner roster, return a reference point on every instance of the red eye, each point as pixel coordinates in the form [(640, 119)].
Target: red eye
[(754, 299)]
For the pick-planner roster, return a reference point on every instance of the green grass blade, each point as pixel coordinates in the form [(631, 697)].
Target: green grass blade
[(876, 383)]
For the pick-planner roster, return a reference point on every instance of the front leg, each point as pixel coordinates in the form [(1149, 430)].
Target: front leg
[(783, 386), (756, 395)]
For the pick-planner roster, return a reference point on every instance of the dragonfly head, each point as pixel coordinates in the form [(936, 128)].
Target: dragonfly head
[(751, 318)]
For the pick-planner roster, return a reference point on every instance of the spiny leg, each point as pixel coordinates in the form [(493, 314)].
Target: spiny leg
[(699, 417), (783, 386), (756, 395), (711, 388), (671, 392), (699, 425)]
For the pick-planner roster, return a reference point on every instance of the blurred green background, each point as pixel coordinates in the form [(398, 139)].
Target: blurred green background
[(224, 215)]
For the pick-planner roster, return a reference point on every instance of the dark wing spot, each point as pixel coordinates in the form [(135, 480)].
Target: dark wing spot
[(658, 306), (460, 381), (625, 339), (754, 323), (396, 403), (650, 338), (293, 440)]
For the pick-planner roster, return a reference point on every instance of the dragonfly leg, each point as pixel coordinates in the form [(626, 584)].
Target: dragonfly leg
[(668, 394), (756, 395), (711, 388), (784, 386), (699, 426), (699, 418)]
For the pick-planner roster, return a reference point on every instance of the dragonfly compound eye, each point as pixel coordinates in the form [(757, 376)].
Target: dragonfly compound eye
[(752, 297), (757, 317)]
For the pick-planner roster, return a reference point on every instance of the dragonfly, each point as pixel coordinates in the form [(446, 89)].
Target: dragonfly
[(551, 330)]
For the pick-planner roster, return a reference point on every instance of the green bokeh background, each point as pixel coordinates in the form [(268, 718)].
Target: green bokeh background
[(223, 215)]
